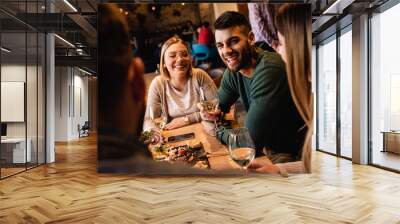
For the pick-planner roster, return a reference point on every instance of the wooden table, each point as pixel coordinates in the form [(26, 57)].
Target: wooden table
[(218, 157)]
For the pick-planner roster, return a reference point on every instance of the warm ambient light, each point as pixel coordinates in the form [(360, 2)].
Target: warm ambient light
[(65, 41), (5, 50), (153, 8), (79, 51), (84, 71), (71, 6)]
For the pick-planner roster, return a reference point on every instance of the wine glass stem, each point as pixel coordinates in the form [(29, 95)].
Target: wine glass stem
[(215, 127)]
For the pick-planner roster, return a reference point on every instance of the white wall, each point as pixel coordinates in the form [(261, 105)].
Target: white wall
[(220, 8), (80, 112), (16, 72), (34, 124), (62, 77), (82, 83), (12, 73), (71, 94)]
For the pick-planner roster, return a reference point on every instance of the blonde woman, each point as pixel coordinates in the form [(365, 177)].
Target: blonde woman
[(175, 93), (293, 22)]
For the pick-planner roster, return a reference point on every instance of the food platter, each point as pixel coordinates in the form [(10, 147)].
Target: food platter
[(195, 157), (188, 152)]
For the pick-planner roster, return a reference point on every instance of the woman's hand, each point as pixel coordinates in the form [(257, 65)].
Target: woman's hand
[(156, 137), (176, 123), (263, 165)]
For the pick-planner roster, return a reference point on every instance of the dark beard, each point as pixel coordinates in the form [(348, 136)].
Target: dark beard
[(245, 59)]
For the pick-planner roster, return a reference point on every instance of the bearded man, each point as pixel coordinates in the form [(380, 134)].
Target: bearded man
[(259, 78)]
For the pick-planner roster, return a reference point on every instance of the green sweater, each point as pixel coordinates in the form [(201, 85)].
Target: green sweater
[(272, 118)]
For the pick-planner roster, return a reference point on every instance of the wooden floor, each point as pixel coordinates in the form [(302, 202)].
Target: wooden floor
[(387, 159), (70, 191), (10, 171)]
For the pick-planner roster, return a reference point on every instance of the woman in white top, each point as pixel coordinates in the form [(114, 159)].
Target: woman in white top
[(175, 93)]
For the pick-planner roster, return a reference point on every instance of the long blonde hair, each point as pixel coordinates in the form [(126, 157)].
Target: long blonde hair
[(293, 21), (173, 40)]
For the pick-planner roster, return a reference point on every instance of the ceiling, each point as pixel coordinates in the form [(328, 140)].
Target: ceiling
[(78, 23)]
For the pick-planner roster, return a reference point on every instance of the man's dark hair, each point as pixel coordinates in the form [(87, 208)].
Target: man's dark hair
[(231, 19)]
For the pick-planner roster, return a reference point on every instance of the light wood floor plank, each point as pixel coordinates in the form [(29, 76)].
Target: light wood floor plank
[(71, 191)]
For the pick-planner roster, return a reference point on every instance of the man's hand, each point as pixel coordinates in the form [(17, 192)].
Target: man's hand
[(176, 123), (263, 165), (207, 115), (209, 127)]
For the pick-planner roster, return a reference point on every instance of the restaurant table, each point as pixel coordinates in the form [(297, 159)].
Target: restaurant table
[(217, 153)]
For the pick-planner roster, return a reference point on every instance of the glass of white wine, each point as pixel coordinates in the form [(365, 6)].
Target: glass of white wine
[(241, 147), (212, 108), (159, 120)]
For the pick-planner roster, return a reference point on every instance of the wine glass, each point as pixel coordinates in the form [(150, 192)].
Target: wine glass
[(159, 120), (213, 110), (241, 147), (210, 106)]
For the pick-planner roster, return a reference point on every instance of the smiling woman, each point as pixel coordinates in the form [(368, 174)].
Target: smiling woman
[(175, 93)]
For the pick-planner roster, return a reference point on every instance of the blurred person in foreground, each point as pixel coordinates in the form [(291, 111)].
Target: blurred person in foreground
[(293, 22), (121, 89)]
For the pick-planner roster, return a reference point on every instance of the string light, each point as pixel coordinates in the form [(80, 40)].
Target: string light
[(71, 6), (5, 50)]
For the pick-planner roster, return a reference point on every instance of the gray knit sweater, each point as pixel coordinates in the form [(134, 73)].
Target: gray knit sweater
[(164, 99)]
